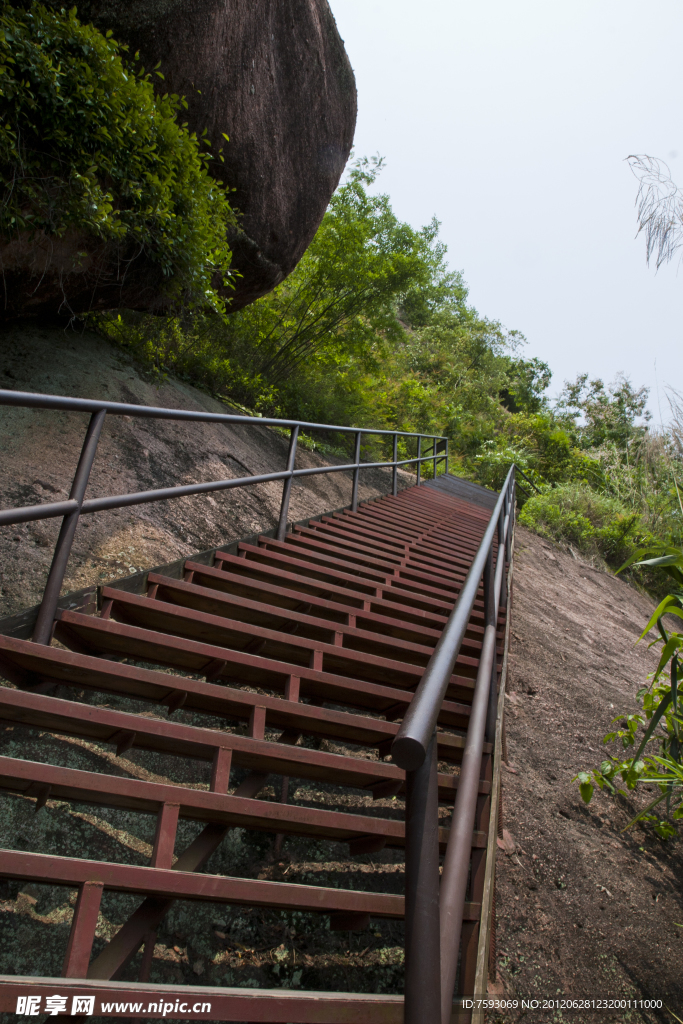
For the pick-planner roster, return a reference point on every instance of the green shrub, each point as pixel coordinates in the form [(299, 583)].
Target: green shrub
[(85, 143), (594, 523), (160, 345)]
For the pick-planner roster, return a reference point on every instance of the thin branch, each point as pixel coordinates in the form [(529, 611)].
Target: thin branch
[(659, 208)]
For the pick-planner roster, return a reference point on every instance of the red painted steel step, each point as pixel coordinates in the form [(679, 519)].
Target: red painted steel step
[(322, 636)]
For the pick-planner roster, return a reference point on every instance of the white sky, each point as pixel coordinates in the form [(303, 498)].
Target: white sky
[(510, 120)]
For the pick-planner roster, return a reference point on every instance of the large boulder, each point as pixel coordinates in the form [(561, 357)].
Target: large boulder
[(273, 75)]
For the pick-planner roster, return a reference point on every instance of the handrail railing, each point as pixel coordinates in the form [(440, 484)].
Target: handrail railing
[(527, 478), (76, 506), (434, 912)]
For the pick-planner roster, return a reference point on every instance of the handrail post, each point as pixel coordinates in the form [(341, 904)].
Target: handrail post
[(422, 957), (356, 473), (394, 472), (435, 458), (502, 554), (490, 617), (42, 632), (454, 878), (509, 511), (446, 458), (287, 485), (419, 455), (489, 620), (489, 597)]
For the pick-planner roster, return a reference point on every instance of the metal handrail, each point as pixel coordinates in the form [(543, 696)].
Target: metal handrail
[(527, 478), (29, 399), (76, 505), (409, 748), (434, 906)]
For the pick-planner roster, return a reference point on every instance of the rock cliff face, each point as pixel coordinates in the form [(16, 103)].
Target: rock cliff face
[(40, 449), (273, 75)]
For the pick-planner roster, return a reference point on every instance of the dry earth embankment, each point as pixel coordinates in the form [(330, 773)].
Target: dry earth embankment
[(583, 909)]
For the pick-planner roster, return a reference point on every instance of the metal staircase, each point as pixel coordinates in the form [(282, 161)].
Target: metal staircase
[(374, 629)]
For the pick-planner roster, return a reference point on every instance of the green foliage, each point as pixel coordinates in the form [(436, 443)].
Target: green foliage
[(163, 346), (657, 724), (593, 522), (525, 386), (610, 412), (372, 328), (86, 144)]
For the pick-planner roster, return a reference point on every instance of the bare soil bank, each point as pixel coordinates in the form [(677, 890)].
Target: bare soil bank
[(583, 910), (39, 451)]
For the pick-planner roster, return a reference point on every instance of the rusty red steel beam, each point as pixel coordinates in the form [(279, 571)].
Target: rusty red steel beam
[(369, 588), (432, 544), (461, 528), (445, 508), (370, 518), (361, 549), (26, 664), (415, 531), (345, 598), (378, 539), (367, 571), (91, 635), (404, 578), (266, 584), (279, 644), (350, 589), (413, 567), (459, 533), (431, 508), (260, 613), (419, 518), (345, 536), (165, 883), (207, 1002), (365, 546), (414, 522), (128, 731), (20, 776)]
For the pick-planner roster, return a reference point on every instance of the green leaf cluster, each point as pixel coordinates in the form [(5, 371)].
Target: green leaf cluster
[(593, 522), (660, 722), (87, 144), (374, 328)]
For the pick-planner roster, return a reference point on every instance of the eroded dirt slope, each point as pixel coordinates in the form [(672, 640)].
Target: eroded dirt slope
[(39, 451), (583, 910)]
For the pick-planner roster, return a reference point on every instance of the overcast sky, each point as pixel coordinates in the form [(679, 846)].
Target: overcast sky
[(510, 120)]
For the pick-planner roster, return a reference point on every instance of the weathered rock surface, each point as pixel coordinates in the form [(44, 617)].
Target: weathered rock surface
[(39, 451), (274, 77)]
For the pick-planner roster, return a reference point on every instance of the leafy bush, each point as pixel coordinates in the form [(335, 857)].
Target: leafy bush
[(373, 329), (659, 716), (162, 346), (85, 143), (579, 515)]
